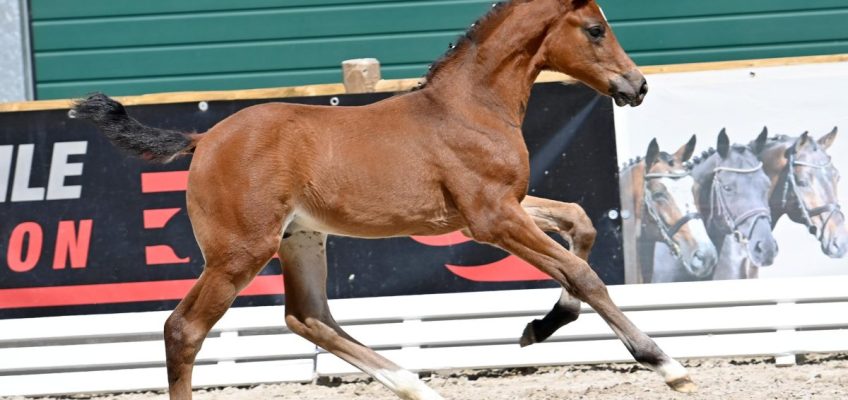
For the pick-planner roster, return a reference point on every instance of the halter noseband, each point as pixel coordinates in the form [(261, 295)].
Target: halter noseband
[(807, 214)]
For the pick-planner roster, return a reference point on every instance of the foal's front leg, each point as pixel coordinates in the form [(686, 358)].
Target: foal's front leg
[(508, 226), (308, 315), (570, 221)]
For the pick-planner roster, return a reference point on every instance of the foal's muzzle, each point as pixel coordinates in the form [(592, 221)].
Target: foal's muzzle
[(629, 89)]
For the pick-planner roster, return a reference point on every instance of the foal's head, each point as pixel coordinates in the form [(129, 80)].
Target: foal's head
[(580, 43)]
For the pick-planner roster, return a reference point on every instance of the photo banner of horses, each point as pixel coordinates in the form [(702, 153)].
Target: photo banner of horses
[(85, 229), (734, 174)]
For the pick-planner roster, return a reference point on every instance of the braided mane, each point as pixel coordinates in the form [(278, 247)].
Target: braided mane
[(700, 159), (471, 36), (630, 163)]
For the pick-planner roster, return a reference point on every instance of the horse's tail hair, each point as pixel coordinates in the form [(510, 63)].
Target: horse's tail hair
[(129, 135)]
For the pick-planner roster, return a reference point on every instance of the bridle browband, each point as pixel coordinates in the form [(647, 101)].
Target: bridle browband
[(668, 231), (791, 184), (720, 209)]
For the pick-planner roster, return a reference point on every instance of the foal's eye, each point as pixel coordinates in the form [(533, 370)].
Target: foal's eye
[(596, 32), (803, 183), (659, 196), (727, 188)]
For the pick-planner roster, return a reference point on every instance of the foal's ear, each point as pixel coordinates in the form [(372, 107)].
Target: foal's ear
[(723, 145), (760, 143), (653, 153), (685, 152), (827, 140)]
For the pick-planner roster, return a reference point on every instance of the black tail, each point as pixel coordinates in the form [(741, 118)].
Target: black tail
[(126, 133)]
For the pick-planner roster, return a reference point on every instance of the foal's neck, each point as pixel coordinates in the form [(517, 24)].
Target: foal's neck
[(497, 67)]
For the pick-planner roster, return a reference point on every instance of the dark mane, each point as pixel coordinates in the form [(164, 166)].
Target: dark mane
[(700, 159), (630, 163), (779, 138), (471, 36), (697, 160), (662, 156)]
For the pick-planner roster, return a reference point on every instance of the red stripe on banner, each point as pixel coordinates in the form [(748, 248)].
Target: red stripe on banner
[(163, 255), (450, 239), (157, 219), (122, 292), (510, 269), (158, 182)]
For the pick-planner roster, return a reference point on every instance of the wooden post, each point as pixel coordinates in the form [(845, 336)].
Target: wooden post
[(361, 75)]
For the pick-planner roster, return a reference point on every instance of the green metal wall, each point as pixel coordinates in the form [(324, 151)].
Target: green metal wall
[(127, 47)]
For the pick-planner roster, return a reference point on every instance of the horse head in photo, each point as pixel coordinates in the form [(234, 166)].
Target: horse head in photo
[(732, 192), (668, 214), (804, 186)]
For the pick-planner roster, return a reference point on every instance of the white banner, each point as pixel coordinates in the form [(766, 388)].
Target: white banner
[(788, 100)]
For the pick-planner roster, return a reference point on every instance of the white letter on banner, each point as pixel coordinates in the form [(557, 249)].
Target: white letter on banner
[(61, 168), (20, 188), (5, 170)]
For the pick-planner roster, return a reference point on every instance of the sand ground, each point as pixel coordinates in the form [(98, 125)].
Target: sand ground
[(819, 377)]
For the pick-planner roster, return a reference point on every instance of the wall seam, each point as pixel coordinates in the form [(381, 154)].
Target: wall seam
[(26, 50)]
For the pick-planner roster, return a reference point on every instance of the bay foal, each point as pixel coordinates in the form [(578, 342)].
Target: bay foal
[(277, 178)]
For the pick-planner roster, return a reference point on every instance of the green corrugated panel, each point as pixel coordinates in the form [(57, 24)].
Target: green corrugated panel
[(66, 9), (254, 25), (237, 57), (646, 10), (131, 47)]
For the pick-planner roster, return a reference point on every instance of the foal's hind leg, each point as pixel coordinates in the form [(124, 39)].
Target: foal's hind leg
[(509, 227), (235, 252), (238, 232), (308, 315), (570, 221)]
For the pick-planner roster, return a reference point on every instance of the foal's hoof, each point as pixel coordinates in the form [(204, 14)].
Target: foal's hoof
[(683, 385), (529, 335)]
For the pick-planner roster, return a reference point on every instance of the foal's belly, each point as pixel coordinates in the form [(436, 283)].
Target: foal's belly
[(363, 202), (369, 222), (400, 226)]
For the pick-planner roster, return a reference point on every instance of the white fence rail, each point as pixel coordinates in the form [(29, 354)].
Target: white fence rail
[(124, 352)]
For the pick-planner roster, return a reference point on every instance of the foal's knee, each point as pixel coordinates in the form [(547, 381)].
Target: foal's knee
[(584, 236), (583, 232)]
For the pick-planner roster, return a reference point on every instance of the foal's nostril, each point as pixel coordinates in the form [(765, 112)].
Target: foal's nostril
[(643, 90)]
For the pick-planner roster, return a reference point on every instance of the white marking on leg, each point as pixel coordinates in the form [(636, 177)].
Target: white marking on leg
[(406, 385), (672, 371), (569, 302)]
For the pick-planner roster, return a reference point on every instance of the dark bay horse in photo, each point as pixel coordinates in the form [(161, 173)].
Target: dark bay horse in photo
[(804, 187), (657, 192), (278, 178), (732, 190)]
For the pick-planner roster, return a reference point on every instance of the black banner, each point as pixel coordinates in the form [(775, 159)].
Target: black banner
[(84, 229)]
